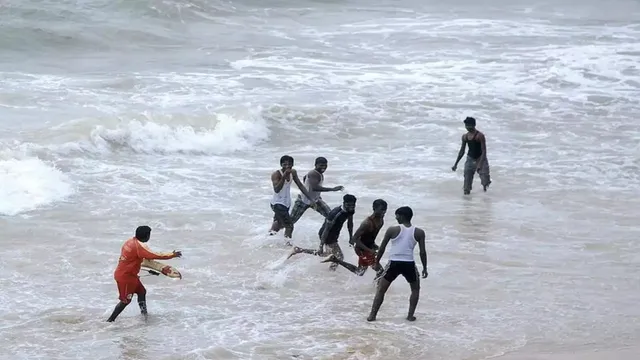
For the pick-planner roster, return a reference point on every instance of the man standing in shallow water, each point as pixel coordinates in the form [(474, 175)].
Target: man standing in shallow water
[(313, 182), (132, 253), (281, 199), (476, 157), (404, 238)]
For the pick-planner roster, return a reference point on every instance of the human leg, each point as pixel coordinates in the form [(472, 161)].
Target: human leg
[(410, 273), (297, 210), (485, 174), (322, 208), (335, 251), (354, 269), (126, 288), (389, 274), (281, 214), (470, 168), (275, 224), (142, 299), (299, 250)]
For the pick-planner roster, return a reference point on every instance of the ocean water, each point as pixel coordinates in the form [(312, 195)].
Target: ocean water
[(173, 113)]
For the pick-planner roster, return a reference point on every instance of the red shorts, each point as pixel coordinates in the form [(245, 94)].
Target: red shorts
[(365, 258), (129, 286)]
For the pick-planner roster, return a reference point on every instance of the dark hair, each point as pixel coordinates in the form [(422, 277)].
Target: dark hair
[(379, 203), (321, 160), (405, 212), (349, 198), (143, 233), (470, 121), (286, 158)]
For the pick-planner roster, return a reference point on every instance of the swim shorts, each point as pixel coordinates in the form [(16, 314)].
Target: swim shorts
[(365, 258), (129, 286), (281, 215)]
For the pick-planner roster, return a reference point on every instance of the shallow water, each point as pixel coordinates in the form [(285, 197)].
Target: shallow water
[(174, 114)]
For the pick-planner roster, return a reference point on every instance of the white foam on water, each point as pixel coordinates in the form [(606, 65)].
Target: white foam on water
[(28, 183), (218, 134), (509, 267)]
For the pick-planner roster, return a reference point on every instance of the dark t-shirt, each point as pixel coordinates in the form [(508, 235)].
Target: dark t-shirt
[(475, 147), (339, 217)]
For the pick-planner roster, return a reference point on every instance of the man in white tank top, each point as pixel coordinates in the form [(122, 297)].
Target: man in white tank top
[(281, 199), (313, 182), (401, 261)]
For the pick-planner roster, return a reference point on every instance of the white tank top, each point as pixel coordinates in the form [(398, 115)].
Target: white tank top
[(315, 195), (402, 245), (284, 196)]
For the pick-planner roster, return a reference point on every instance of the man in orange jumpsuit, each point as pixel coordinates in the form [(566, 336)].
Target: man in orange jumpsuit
[(133, 252)]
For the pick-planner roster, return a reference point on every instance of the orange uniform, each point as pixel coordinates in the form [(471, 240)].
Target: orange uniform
[(126, 274)]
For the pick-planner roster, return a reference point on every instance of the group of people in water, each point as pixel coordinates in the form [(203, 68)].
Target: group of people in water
[(403, 237)]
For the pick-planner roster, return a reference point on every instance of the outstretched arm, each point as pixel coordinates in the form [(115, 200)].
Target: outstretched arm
[(460, 152), (314, 183), (420, 237), (146, 253), (350, 228)]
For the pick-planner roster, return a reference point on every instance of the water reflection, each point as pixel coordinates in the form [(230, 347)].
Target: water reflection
[(476, 218)]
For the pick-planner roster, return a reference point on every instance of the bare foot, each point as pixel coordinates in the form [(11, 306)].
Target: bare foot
[(296, 250), (371, 318), (411, 318)]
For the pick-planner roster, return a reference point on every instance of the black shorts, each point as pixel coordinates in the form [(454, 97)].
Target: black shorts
[(281, 215), (408, 269)]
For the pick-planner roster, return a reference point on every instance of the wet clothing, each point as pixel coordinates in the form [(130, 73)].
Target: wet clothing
[(475, 147), (470, 169), (283, 197), (299, 207), (327, 249), (407, 269), (280, 204), (402, 245), (338, 217), (129, 264), (314, 195), (365, 258), (471, 164), (401, 259), (128, 287), (368, 238), (303, 203), (333, 249), (281, 215)]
